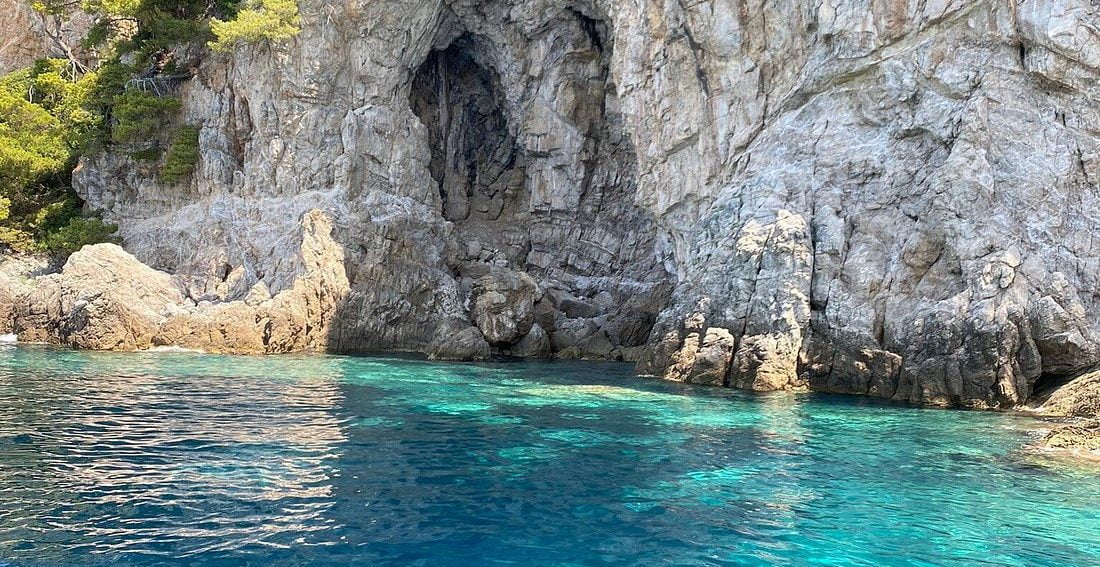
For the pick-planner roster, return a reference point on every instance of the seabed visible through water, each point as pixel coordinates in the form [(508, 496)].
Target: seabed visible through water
[(188, 459)]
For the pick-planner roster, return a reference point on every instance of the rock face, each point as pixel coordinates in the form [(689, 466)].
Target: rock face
[(28, 35), (106, 299), (1078, 398), (892, 199)]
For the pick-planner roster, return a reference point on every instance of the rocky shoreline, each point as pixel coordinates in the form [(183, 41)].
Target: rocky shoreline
[(103, 298), (896, 201), (1076, 406)]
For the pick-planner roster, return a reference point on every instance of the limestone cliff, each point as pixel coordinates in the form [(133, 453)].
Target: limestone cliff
[(888, 198)]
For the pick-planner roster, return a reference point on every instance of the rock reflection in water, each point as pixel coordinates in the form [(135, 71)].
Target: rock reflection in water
[(178, 448)]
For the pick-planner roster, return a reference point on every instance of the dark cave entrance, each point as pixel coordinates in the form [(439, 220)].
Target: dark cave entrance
[(1047, 383), (475, 160), (538, 177)]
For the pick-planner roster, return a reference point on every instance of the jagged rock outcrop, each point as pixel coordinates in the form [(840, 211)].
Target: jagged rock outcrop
[(896, 200), (1079, 401), (1079, 397), (105, 299)]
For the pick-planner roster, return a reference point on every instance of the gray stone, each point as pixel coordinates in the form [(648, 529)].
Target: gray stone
[(535, 344), (894, 199), (462, 344), (504, 305)]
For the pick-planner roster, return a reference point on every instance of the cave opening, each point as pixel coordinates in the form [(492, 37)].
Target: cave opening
[(1047, 383), (475, 160), (527, 147)]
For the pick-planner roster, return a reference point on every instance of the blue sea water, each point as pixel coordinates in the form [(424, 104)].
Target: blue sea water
[(185, 459)]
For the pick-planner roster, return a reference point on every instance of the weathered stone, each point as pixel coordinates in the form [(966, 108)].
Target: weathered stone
[(105, 299), (1080, 440), (766, 363), (896, 200), (712, 362), (577, 309), (504, 305), (462, 344), (571, 332), (1079, 397), (535, 344), (17, 275)]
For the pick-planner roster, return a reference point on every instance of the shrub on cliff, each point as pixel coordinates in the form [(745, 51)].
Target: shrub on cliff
[(182, 157), (140, 116), (77, 233), (256, 21)]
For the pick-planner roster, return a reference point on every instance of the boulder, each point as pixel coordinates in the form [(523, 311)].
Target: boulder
[(504, 305), (460, 343), (535, 344), (103, 299)]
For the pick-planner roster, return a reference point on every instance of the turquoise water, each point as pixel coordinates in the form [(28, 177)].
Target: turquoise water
[(182, 459)]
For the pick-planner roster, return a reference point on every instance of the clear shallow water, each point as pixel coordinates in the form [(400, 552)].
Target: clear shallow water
[(181, 459)]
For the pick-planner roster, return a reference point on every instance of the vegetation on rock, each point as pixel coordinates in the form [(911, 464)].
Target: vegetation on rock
[(182, 156), (60, 109), (140, 116), (44, 126), (257, 21)]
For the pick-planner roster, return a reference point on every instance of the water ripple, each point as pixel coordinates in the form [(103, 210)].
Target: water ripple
[(184, 459)]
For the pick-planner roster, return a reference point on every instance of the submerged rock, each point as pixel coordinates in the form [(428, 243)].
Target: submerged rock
[(1078, 439)]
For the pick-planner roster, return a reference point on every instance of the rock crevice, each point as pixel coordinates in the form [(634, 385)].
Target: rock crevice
[(890, 199)]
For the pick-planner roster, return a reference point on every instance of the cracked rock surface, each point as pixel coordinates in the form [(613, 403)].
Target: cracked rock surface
[(105, 299), (883, 198)]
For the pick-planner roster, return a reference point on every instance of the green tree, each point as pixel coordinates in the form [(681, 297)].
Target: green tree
[(57, 110), (33, 151), (140, 116), (79, 232), (182, 156), (256, 21), (44, 125)]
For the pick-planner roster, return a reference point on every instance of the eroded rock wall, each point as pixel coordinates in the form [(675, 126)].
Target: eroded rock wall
[(909, 219), (887, 198)]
